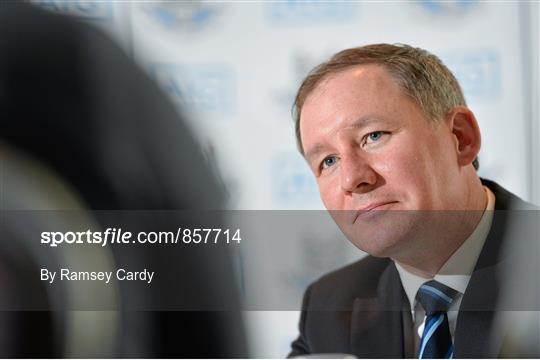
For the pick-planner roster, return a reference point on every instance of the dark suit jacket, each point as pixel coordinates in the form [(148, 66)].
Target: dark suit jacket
[(363, 310)]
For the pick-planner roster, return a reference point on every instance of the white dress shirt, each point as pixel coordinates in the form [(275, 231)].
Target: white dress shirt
[(455, 273)]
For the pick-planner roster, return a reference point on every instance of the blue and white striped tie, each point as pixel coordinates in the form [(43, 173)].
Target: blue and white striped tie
[(436, 342)]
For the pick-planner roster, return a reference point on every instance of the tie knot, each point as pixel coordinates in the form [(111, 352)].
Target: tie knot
[(435, 297)]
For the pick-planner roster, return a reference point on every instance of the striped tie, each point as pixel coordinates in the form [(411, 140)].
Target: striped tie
[(436, 342)]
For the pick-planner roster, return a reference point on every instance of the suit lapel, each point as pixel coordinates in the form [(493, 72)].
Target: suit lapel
[(377, 323), (476, 336)]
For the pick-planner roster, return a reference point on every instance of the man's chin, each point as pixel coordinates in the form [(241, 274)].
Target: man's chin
[(379, 249), (384, 237)]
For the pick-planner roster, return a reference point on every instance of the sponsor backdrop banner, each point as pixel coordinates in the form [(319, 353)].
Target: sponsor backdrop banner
[(233, 69)]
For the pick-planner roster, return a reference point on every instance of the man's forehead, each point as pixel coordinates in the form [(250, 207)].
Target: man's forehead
[(350, 92), (347, 96), (372, 75)]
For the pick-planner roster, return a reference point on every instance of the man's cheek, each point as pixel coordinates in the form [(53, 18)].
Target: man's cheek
[(402, 169), (330, 195)]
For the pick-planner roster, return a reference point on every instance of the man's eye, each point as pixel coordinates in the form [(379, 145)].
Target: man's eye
[(375, 136), (329, 161)]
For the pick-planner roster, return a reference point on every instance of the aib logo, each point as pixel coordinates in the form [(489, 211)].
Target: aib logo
[(300, 12), (293, 183), (478, 71), (200, 88), (85, 9)]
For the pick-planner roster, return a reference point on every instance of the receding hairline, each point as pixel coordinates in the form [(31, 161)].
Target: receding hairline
[(327, 77)]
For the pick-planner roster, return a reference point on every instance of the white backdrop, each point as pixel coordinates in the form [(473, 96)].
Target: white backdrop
[(234, 68)]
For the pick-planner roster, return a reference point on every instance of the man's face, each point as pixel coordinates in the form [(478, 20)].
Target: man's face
[(376, 155)]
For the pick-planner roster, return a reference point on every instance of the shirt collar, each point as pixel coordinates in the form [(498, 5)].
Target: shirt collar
[(457, 270)]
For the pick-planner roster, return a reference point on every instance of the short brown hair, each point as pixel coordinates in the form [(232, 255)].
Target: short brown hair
[(421, 75)]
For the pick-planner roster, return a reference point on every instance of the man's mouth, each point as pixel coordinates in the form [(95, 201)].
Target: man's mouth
[(372, 208)]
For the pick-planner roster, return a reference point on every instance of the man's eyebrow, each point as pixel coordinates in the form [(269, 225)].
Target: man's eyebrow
[(366, 120), (358, 124)]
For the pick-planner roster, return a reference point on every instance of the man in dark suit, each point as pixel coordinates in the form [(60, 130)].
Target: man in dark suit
[(393, 146)]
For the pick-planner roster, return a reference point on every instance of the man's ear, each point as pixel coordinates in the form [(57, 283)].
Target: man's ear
[(466, 131)]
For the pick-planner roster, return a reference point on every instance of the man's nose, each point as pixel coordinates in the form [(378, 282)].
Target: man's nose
[(357, 175)]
